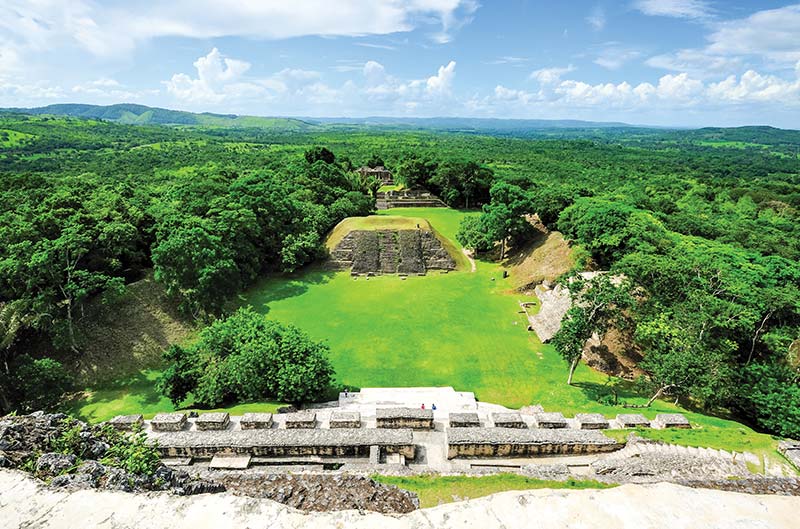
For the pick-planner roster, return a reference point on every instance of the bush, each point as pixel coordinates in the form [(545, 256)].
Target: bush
[(247, 357), (39, 384)]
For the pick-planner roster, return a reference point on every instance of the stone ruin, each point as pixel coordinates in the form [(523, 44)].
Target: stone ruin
[(391, 252)]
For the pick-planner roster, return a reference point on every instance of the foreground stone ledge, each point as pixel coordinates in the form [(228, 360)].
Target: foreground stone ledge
[(26, 503), (277, 442), (516, 442)]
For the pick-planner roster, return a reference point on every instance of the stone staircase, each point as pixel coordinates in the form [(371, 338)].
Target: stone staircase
[(433, 253), (645, 461), (408, 198), (388, 251)]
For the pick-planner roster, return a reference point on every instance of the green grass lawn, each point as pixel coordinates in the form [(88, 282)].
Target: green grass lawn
[(436, 490), (138, 395)]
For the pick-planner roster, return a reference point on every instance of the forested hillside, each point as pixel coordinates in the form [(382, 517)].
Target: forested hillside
[(705, 227)]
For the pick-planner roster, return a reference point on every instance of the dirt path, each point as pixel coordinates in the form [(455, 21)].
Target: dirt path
[(471, 260)]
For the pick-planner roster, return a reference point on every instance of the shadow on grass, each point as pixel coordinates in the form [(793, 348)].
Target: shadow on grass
[(284, 286)]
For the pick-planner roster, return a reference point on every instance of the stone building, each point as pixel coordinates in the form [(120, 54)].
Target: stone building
[(379, 172)]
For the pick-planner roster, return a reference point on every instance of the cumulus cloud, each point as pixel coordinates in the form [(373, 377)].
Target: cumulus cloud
[(442, 82), (217, 77), (670, 92), (674, 8)]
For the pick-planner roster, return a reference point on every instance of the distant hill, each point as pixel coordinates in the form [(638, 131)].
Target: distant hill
[(474, 124), (131, 114)]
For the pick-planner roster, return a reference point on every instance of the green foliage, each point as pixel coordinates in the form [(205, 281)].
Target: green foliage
[(472, 234), (37, 384), (415, 172), (769, 394), (246, 357), (130, 451), (597, 304), (318, 154)]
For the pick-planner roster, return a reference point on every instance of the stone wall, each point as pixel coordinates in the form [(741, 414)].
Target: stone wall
[(284, 443), (516, 442)]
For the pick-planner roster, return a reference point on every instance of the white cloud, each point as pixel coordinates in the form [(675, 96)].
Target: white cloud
[(547, 76), (217, 78), (509, 59), (770, 38), (613, 56), (114, 28), (696, 62), (773, 34), (754, 87), (674, 8), (597, 19), (442, 82)]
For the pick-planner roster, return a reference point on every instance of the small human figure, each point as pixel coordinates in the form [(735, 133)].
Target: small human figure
[(423, 405), (345, 393), (433, 406)]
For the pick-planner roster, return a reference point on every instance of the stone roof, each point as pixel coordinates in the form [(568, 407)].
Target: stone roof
[(301, 416), (345, 416), (468, 417), (591, 418), (550, 416), (671, 419), (632, 418), (279, 437), (168, 418), (502, 436), (127, 419), (403, 413), (256, 417), (215, 417), (500, 418)]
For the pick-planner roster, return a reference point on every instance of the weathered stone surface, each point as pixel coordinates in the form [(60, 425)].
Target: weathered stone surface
[(276, 442), (256, 421), (670, 420), (213, 421), (391, 251), (632, 420), (591, 421), (515, 442), (791, 450), (550, 419), (51, 464), (167, 422), (127, 422), (27, 504), (508, 420), (464, 420), (301, 419), (345, 419), (414, 418)]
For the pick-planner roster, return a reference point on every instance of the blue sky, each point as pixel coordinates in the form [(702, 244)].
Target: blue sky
[(660, 62)]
